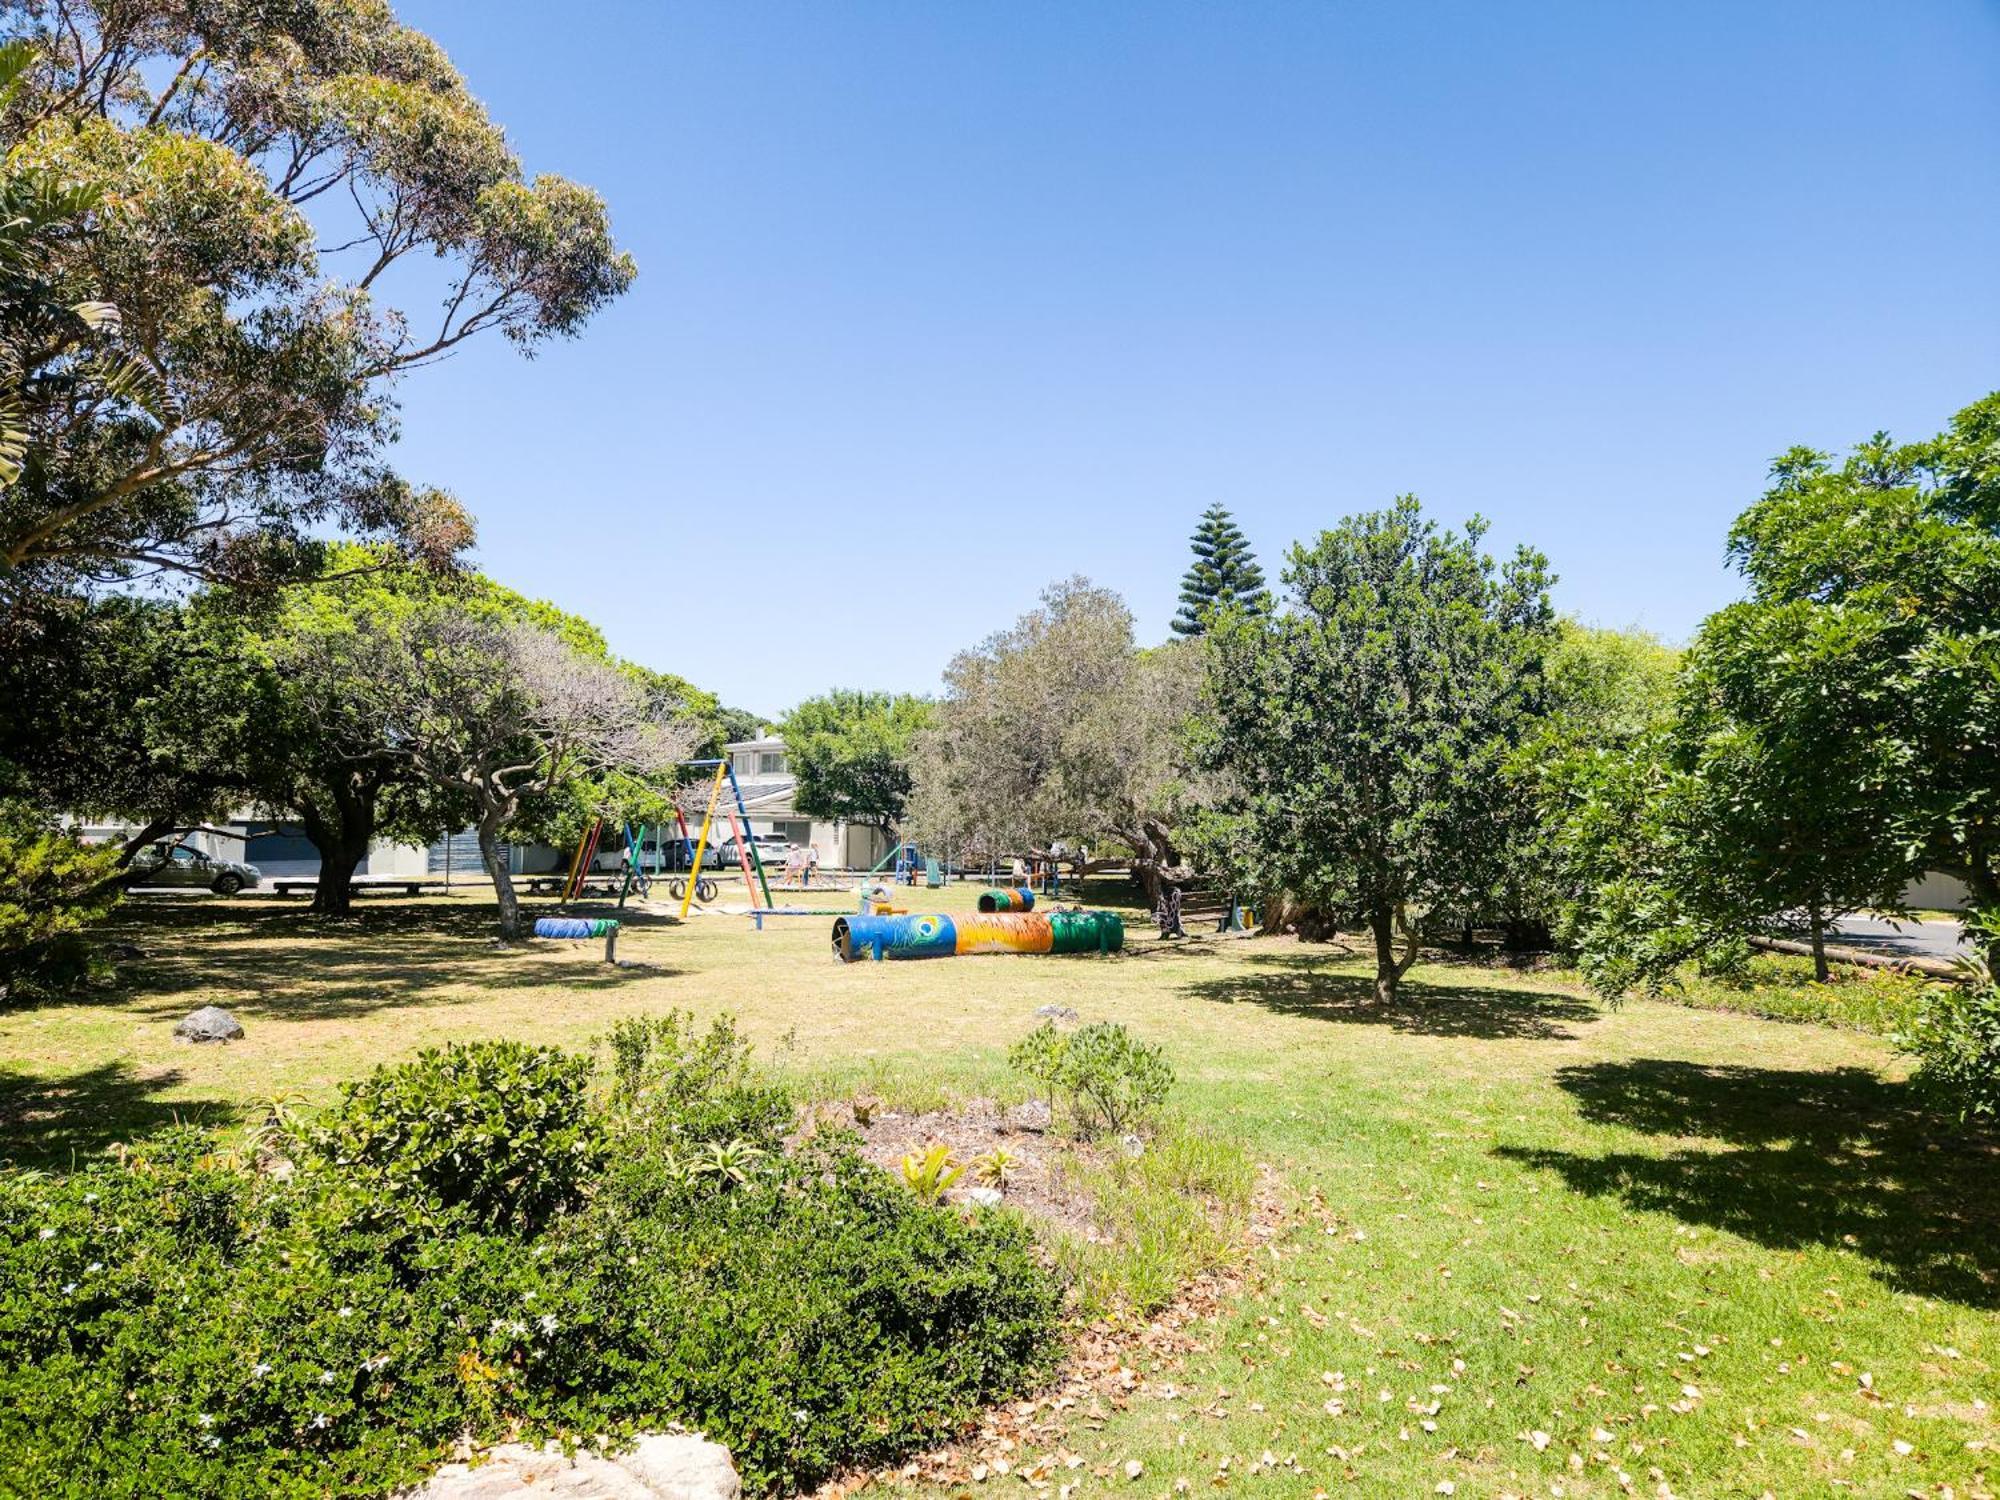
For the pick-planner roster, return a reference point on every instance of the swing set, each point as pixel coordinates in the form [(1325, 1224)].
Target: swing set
[(694, 885)]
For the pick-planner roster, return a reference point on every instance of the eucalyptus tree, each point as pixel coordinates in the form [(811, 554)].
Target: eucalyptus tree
[(1062, 727), (249, 182), (502, 712)]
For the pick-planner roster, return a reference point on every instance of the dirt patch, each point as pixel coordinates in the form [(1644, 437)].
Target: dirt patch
[(1042, 1182)]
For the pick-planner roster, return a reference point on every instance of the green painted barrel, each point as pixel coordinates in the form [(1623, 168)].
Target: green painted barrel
[(1086, 932)]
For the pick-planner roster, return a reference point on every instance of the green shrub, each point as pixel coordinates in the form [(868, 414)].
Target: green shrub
[(1781, 987), (498, 1130), (1111, 1079), (482, 1243), (52, 886), (1955, 1037)]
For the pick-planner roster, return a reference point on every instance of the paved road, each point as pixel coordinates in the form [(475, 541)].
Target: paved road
[(1906, 939)]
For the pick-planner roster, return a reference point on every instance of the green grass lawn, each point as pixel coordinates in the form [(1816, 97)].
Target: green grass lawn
[(1535, 1246)]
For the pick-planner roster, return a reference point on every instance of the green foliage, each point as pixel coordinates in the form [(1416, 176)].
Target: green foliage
[(1060, 727), (52, 887), (995, 1168), (850, 751), (222, 403), (1836, 730), (1782, 987), (931, 1173), (1224, 574), (498, 1131), (1364, 731), (112, 712), (1955, 1036), (1884, 567), (1601, 690), (171, 1323), (1110, 1079), (1178, 1206)]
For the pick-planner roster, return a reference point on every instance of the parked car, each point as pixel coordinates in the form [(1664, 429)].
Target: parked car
[(178, 865), (771, 849), (672, 854)]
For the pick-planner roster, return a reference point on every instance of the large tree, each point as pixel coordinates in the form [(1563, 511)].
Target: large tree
[(1364, 729), (506, 712), (1838, 730), (1062, 728), (850, 751), (302, 679), (123, 709), (1224, 573), (1882, 573), (1602, 691), (244, 180)]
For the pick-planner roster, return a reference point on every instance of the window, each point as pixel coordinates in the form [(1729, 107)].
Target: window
[(771, 763)]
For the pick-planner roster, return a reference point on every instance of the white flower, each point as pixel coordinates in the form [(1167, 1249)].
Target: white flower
[(47, 1234), (322, 1420), (68, 1287), (347, 1312), (93, 1268), (326, 1377), (205, 1419), (211, 1441), (260, 1371), (801, 1416), (376, 1362), (90, 1197), (548, 1322)]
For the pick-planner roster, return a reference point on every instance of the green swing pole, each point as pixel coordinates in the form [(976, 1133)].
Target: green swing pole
[(635, 850), (756, 858)]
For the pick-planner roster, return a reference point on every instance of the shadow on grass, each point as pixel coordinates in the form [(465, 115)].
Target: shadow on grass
[(49, 1121), (1304, 985), (299, 966), (1794, 1159)]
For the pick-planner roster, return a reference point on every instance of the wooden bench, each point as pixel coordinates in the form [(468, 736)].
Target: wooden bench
[(412, 885)]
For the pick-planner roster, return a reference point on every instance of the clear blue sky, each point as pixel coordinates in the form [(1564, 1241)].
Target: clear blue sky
[(939, 302)]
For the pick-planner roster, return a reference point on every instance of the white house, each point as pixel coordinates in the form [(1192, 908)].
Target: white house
[(768, 785)]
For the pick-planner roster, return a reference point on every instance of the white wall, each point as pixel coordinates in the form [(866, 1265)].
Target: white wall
[(1944, 892)]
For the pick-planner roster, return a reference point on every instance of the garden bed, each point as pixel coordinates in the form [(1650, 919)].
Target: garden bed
[(1044, 1182)]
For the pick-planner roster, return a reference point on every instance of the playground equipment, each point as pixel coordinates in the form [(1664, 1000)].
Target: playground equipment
[(1019, 898), (746, 847), (582, 927), (936, 935)]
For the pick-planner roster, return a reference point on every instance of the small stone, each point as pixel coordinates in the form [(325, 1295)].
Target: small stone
[(1056, 1013), (1132, 1144), (209, 1024), (1033, 1116), (980, 1197)]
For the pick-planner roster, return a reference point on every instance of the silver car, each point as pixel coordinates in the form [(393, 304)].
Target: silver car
[(178, 865)]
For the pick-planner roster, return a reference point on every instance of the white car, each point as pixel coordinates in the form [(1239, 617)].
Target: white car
[(771, 849)]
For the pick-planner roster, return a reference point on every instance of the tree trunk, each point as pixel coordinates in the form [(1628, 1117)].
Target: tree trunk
[(342, 841), (503, 879), (1383, 922), (1821, 973)]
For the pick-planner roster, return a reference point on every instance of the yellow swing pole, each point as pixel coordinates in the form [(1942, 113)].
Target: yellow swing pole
[(701, 844)]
